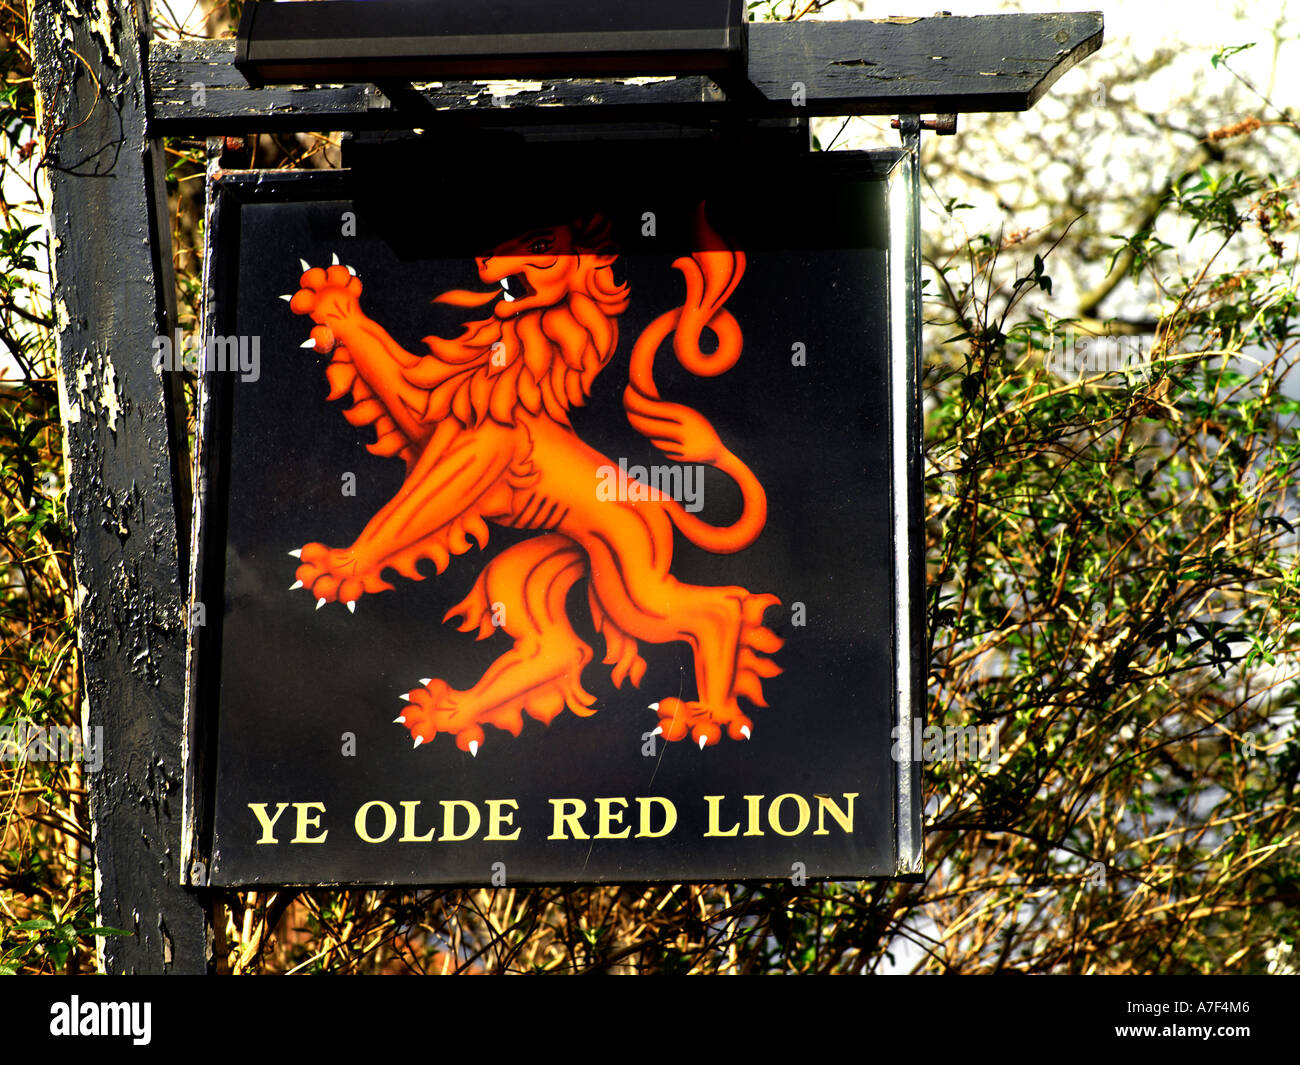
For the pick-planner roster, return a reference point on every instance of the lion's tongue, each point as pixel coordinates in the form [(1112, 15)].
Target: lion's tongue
[(460, 297)]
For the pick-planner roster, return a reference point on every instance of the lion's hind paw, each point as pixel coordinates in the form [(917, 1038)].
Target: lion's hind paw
[(432, 708), (678, 718)]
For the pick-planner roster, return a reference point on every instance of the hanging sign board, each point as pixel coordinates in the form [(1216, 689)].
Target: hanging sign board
[(558, 521)]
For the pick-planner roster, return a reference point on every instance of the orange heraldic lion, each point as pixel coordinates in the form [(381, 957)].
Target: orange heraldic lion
[(482, 423)]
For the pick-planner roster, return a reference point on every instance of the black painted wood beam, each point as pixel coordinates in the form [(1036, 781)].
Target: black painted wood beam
[(799, 69)]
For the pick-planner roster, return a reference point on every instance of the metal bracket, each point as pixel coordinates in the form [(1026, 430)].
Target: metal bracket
[(944, 125)]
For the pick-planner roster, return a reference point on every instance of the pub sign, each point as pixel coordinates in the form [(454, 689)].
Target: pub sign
[(558, 519)]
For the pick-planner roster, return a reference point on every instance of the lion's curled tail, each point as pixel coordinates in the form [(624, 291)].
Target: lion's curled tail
[(681, 433)]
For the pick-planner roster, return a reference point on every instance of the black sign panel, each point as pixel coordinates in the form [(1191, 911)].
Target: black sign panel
[(555, 521)]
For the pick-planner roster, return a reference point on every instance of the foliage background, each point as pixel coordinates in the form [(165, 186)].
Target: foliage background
[(1112, 576)]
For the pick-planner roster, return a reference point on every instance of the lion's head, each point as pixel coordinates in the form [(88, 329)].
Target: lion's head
[(551, 331), (541, 268)]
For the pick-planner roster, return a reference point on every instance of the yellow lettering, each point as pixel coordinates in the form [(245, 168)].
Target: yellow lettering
[(408, 824), (714, 830), (362, 818), (267, 823), (499, 819), (774, 813), (609, 817), (449, 808), (670, 816), (825, 805), (308, 821), (567, 812)]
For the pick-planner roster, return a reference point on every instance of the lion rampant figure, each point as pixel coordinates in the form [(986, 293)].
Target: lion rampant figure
[(482, 423)]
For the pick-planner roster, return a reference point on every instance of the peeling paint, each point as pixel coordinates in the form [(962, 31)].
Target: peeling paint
[(85, 374), (71, 413), (102, 27), (511, 88), (108, 396)]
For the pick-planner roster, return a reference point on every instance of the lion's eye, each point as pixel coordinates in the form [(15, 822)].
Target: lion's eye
[(540, 245)]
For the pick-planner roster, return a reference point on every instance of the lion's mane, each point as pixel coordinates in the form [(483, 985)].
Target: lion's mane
[(544, 359)]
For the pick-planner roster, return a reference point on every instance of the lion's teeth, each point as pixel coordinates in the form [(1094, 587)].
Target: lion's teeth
[(505, 290)]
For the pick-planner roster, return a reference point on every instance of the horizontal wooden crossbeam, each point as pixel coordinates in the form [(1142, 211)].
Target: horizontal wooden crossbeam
[(893, 66)]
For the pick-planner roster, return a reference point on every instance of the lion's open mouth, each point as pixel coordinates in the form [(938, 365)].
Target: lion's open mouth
[(515, 287)]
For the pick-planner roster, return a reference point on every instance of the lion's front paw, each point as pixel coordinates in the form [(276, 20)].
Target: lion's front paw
[(330, 295), (334, 574)]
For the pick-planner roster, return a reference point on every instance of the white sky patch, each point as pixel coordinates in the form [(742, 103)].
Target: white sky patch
[(1194, 28)]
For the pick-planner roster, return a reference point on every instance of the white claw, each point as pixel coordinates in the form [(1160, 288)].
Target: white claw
[(334, 259), (658, 731), (320, 602), (418, 740), (426, 680), (400, 719), (305, 265), (295, 586), (351, 271), (308, 343), (405, 697), (297, 552), (473, 748), (744, 731), (352, 607), (703, 741), (287, 299), (654, 706)]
